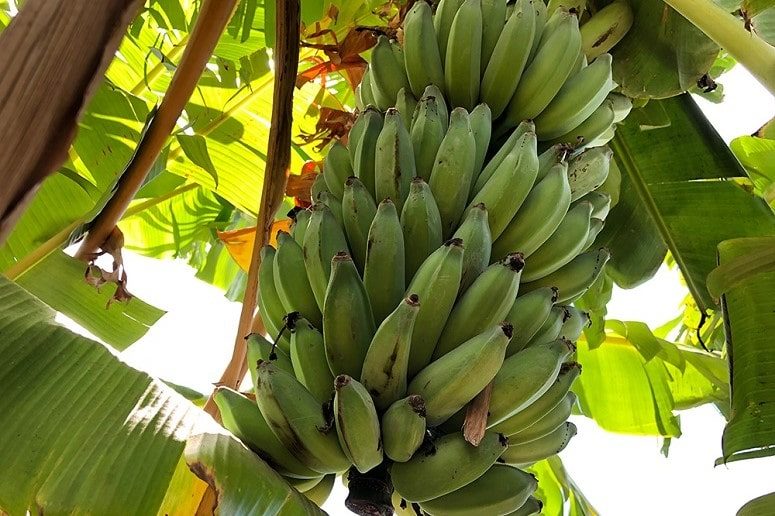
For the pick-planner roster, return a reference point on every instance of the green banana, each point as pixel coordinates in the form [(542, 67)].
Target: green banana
[(552, 326), (303, 485), (384, 272), (421, 224), (334, 204), (348, 324), (531, 507), (553, 396), (475, 232), (621, 104), (509, 57), (486, 302), (510, 184), (600, 121), (547, 424), (574, 278), (421, 50), (544, 76), (322, 240), (546, 160), (588, 170), (494, 18), (577, 99), (403, 428), (580, 64), (433, 91), (437, 282), (406, 104), (595, 227), (358, 211), (539, 449), (359, 104), (296, 418), (384, 372), (269, 304), (365, 91), (453, 171), (574, 324), (337, 168), (291, 280), (394, 167), (320, 493), (308, 356), (462, 64), (241, 416), (565, 244), (600, 201), (454, 464), (428, 129), (387, 73), (299, 226), (449, 382), (442, 23), (541, 15), (357, 424), (363, 149), (318, 186), (528, 314), (524, 377), (606, 28), (538, 217), (500, 490), (480, 119), (523, 128), (258, 348)]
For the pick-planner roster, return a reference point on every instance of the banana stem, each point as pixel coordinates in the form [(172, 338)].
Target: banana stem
[(729, 32)]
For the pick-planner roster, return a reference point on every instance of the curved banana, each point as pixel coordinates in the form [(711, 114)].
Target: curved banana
[(421, 224), (308, 356), (574, 324), (574, 278), (538, 217), (241, 416), (303, 485), (358, 211), (485, 303), (523, 128), (539, 449), (494, 18), (606, 28), (406, 105), (436, 282), (269, 304), (509, 57), (394, 167), (480, 119), (565, 244), (553, 155), (320, 493), (337, 168), (600, 201), (531, 507), (585, 134), (318, 186), (524, 377), (261, 349), (348, 324), (322, 240), (363, 146), (528, 314), (595, 227), (334, 204), (509, 185), (462, 64), (357, 424), (621, 104), (296, 419), (542, 15), (384, 372), (475, 232), (501, 490), (547, 424), (387, 73), (588, 170), (299, 227), (555, 57), (577, 99), (442, 23), (384, 274), (291, 280), (454, 464), (365, 90), (421, 50), (428, 129), (433, 91), (453, 171), (403, 428), (553, 396), (448, 383), (552, 326)]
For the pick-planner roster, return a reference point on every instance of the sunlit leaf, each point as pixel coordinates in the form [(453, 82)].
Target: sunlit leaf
[(759, 506)]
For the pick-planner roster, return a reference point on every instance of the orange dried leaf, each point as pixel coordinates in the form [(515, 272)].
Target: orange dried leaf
[(299, 187), (239, 242)]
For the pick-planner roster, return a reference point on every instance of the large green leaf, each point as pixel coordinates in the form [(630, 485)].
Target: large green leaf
[(758, 157), (749, 314), (759, 506), (633, 382), (557, 490), (84, 433), (676, 196)]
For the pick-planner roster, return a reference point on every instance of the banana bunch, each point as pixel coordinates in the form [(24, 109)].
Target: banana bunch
[(525, 60)]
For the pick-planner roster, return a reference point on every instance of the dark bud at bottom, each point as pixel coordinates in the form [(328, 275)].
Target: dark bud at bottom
[(371, 492)]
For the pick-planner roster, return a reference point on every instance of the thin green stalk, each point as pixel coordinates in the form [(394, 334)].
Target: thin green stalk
[(730, 33)]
